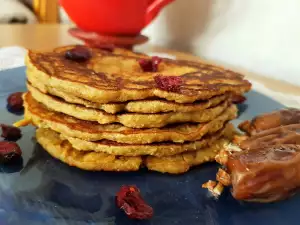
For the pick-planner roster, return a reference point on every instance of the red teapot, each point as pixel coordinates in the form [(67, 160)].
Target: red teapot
[(113, 17)]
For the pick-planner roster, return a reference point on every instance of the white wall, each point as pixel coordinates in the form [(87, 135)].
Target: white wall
[(262, 36)]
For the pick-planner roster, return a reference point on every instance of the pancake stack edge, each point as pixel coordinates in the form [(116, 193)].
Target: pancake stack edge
[(106, 113)]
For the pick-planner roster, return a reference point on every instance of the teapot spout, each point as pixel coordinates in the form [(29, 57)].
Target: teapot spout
[(154, 8)]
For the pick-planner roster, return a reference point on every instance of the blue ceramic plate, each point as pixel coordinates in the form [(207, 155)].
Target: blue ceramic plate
[(42, 190)]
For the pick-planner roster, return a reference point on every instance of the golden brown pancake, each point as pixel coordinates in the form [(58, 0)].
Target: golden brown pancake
[(155, 149), (62, 150), (134, 120), (92, 131), (183, 162), (96, 161), (108, 77), (138, 106)]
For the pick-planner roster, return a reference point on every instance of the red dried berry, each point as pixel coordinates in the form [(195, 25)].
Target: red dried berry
[(78, 54), (10, 132), (9, 151), (15, 101), (155, 62), (168, 83), (129, 199), (150, 65), (146, 65), (238, 99)]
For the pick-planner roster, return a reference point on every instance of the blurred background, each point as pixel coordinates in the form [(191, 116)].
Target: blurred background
[(31, 11), (254, 35)]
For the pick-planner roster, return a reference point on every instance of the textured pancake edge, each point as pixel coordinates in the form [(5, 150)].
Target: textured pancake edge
[(130, 135), (62, 150), (181, 163), (138, 106), (154, 149), (134, 120), (95, 161)]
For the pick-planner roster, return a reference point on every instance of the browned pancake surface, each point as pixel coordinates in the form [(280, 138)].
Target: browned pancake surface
[(109, 77)]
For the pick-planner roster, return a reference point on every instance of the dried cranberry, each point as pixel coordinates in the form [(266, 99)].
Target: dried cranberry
[(146, 65), (9, 151), (150, 65), (129, 199), (238, 99), (15, 101), (168, 83), (155, 62), (78, 54), (10, 132)]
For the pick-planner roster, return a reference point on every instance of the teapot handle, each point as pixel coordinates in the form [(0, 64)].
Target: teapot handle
[(154, 7)]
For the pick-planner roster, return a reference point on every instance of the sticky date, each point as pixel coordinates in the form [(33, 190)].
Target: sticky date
[(265, 174), (267, 167), (130, 200), (271, 120)]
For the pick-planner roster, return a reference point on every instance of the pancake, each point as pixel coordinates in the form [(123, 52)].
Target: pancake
[(62, 150), (138, 106), (155, 149), (96, 161), (183, 162), (108, 107), (92, 131), (108, 77), (134, 120)]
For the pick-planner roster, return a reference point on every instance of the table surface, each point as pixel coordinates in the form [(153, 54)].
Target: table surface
[(47, 36)]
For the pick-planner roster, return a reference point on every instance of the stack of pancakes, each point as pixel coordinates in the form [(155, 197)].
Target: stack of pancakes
[(108, 113)]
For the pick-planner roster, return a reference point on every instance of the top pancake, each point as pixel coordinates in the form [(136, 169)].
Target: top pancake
[(107, 77)]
